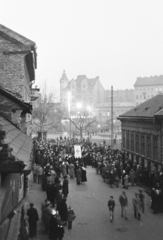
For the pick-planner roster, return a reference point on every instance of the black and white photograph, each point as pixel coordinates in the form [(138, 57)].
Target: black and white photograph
[(81, 120)]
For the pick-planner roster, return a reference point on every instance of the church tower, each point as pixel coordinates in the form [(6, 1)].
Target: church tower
[(63, 87)]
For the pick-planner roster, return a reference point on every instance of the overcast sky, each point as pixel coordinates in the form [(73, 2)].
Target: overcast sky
[(117, 40)]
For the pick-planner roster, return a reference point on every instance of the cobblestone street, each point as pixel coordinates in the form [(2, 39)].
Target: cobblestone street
[(92, 222)]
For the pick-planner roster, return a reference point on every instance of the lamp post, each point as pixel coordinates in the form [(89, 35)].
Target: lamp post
[(69, 109), (82, 109)]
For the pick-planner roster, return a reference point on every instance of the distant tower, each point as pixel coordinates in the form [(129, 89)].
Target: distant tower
[(63, 86)]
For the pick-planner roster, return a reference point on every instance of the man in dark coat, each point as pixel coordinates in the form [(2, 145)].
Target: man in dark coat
[(63, 211), (65, 188), (32, 219)]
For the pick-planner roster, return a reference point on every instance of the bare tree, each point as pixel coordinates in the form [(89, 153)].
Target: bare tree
[(82, 119), (45, 115)]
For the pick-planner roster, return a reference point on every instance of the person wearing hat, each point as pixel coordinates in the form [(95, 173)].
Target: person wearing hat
[(32, 219)]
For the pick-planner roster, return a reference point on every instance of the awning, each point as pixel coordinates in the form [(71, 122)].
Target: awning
[(18, 141)]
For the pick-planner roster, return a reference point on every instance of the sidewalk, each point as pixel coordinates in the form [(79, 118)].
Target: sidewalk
[(37, 197)]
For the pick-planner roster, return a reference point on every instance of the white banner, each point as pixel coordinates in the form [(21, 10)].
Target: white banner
[(77, 149)]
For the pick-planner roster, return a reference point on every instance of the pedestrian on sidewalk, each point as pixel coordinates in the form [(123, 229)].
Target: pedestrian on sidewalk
[(111, 205), (136, 206), (142, 197), (71, 216), (124, 203), (32, 219)]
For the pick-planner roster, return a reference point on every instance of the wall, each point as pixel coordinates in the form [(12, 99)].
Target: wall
[(143, 93), (9, 194), (145, 129), (13, 72)]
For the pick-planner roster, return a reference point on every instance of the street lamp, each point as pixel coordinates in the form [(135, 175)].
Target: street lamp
[(69, 109)]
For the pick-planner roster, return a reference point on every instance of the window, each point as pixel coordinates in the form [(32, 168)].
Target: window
[(137, 143), (137, 96), (132, 142), (127, 140), (123, 139), (149, 146), (155, 146), (142, 145)]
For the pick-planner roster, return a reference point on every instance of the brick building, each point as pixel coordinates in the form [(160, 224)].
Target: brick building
[(147, 87), (142, 133), (17, 75)]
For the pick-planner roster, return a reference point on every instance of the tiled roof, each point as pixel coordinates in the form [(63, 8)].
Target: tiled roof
[(149, 81), (18, 141), (14, 36), (148, 109), (90, 81)]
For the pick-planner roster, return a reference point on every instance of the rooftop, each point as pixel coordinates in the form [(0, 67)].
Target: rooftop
[(14, 36), (149, 81), (147, 109)]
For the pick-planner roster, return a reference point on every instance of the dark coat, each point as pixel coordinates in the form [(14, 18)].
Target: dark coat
[(33, 216), (65, 189), (84, 176), (53, 228), (63, 212), (111, 204), (78, 175)]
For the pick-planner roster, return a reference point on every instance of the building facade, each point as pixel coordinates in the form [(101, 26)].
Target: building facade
[(142, 133), (89, 91), (103, 112), (18, 61), (147, 87), (126, 95), (17, 74)]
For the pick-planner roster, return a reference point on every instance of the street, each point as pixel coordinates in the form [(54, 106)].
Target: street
[(89, 202)]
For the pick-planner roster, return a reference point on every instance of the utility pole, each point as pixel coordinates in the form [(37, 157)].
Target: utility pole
[(112, 126)]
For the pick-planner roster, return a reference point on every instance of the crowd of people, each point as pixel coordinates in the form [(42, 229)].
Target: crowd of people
[(55, 160)]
